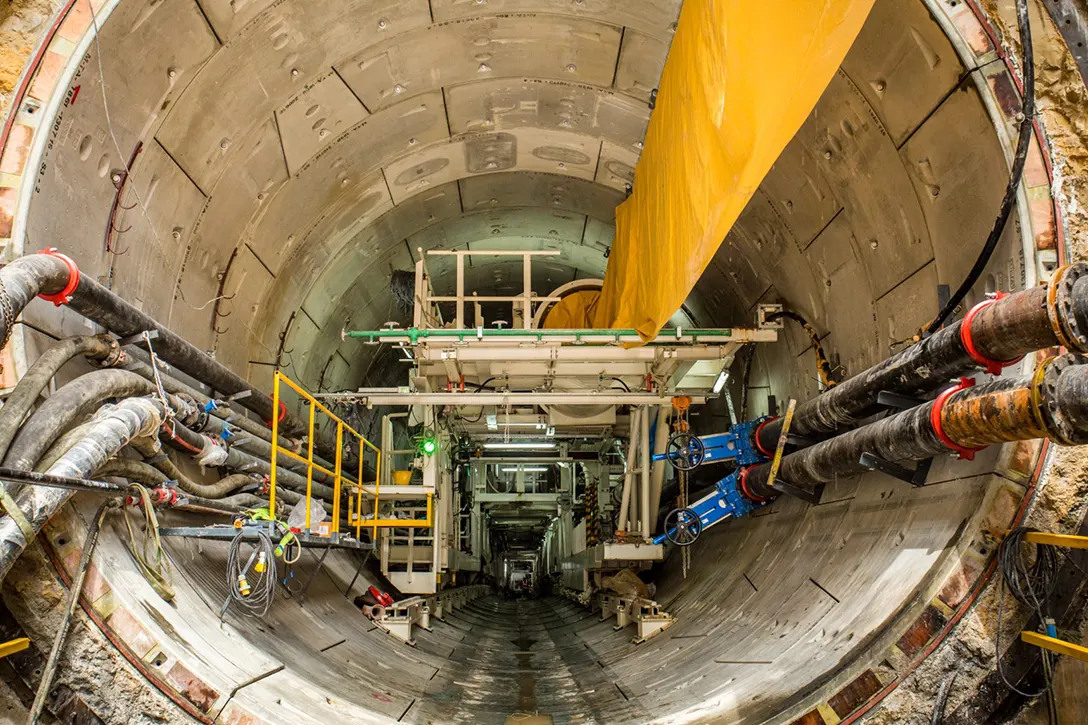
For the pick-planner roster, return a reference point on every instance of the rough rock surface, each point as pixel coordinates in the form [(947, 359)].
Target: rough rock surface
[(90, 667), (22, 25)]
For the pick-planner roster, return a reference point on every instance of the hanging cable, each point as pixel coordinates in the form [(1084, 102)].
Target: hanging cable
[(1031, 583), (823, 366), (1019, 159), (251, 585), (150, 555)]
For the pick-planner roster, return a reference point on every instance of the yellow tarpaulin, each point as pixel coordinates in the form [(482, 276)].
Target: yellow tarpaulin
[(741, 77)]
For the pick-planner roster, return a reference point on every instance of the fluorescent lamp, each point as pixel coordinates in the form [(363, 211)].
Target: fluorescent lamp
[(723, 376), (531, 469), (519, 446)]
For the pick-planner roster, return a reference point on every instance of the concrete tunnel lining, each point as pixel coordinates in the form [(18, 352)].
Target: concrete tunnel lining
[(880, 197)]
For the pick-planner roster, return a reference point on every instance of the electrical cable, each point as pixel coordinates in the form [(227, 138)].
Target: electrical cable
[(1031, 584), (1023, 143), (625, 386), (823, 366), (254, 598)]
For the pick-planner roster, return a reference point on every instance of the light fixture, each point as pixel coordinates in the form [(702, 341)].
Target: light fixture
[(723, 377), (528, 469), (428, 445), (519, 446)]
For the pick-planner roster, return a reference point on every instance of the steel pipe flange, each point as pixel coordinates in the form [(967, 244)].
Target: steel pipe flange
[(1059, 426), (1061, 308)]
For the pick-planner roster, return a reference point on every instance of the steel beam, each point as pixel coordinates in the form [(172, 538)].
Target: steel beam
[(475, 400)]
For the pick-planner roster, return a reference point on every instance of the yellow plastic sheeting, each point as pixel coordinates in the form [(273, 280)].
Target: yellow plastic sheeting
[(573, 312), (741, 78)]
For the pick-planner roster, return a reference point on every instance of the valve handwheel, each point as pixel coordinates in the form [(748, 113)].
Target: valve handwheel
[(682, 527), (686, 452)]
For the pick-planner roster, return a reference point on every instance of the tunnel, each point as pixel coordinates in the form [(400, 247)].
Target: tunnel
[(261, 176)]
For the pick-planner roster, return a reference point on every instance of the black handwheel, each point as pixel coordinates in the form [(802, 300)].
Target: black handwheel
[(682, 527), (686, 452)]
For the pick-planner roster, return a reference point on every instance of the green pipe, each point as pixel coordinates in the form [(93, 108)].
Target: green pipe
[(415, 334)]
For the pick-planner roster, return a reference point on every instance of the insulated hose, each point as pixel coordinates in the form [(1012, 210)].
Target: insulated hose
[(31, 385)]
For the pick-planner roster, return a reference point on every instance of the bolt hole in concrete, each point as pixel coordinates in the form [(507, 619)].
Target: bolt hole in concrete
[(294, 229)]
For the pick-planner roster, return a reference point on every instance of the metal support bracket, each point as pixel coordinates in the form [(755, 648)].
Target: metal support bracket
[(139, 337), (810, 497), (916, 477), (888, 399)]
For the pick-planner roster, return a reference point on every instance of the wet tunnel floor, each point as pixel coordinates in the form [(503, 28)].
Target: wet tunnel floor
[(517, 659)]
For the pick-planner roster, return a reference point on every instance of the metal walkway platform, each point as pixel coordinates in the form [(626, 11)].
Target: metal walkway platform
[(224, 532)]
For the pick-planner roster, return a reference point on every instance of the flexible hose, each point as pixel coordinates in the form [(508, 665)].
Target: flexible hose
[(139, 362), (134, 471), (113, 427), (24, 279), (154, 456), (1023, 143), (65, 407), (179, 436), (44, 369)]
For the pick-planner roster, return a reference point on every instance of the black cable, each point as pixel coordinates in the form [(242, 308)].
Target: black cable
[(823, 365), (1019, 160), (625, 386), (1032, 584)]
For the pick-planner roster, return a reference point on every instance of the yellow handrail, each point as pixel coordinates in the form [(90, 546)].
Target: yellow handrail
[(337, 473)]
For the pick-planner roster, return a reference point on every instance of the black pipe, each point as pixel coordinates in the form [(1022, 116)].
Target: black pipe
[(44, 369), (84, 485), (67, 406), (99, 304), (1004, 330), (994, 412), (50, 669)]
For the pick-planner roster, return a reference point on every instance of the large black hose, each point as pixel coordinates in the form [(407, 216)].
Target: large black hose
[(135, 471), (139, 362), (100, 305), (68, 406), (24, 279), (31, 385), (161, 463), (113, 428)]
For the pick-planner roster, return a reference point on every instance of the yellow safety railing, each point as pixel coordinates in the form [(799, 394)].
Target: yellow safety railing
[(337, 473)]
